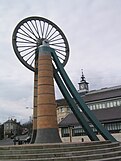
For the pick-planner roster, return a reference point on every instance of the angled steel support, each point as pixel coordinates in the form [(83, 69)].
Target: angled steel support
[(74, 108), (88, 113)]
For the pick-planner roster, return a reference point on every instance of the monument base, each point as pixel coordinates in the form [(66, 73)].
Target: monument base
[(47, 135)]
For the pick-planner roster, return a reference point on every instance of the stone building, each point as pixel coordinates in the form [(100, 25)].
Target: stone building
[(1, 131), (11, 127), (104, 103)]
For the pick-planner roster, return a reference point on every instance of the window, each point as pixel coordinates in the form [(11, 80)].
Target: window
[(78, 132), (96, 106), (99, 106), (103, 105), (61, 109), (68, 109), (113, 126), (93, 107), (108, 104), (118, 103), (114, 104), (90, 106), (65, 132), (111, 104)]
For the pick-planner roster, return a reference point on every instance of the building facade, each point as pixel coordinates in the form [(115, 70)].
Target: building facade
[(104, 103), (1, 131), (11, 127)]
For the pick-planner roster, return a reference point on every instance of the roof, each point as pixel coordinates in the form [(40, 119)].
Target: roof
[(12, 121), (61, 102), (103, 115), (97, 95), (104, 93)]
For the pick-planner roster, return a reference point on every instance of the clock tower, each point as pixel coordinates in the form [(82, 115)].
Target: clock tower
[(83, 84)]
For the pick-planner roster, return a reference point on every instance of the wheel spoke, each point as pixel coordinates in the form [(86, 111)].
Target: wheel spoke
[(60, 50), (28, 34), (54, 37), (35, 29), (25, 46), (25, 49), (55, 40), (32, 61), (58, 45), (52, 34), (25, 40), (41, 28), (60, 53), (27, 53), (46, 30), (30, 57), (25, 36), (31, 31), (49, 32), (60, 58)]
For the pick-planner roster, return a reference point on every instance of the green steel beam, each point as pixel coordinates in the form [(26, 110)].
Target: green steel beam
[(88, 113), (74, 108), (81, 103)]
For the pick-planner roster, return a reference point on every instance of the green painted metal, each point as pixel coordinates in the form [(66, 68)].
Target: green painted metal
[(74, 108), (88, 113)]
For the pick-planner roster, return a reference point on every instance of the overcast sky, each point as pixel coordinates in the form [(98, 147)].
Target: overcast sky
[(93, 30)]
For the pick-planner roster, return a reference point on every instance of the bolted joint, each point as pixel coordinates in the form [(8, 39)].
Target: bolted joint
[(45, 42)]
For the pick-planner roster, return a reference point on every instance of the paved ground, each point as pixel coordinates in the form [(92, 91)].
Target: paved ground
[(9, 141)]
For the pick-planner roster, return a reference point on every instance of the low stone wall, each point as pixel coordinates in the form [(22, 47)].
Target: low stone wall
[(86, 138)]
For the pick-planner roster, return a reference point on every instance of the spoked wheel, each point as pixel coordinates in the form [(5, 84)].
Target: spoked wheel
[(29, 35)]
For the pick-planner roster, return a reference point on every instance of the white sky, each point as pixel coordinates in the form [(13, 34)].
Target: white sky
[(93, 30)]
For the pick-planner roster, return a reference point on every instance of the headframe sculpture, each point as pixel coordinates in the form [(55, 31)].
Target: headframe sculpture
[(42, 47)]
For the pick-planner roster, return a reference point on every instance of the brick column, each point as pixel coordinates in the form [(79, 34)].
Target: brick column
[(47, 129), (35, 107), (35, 100)]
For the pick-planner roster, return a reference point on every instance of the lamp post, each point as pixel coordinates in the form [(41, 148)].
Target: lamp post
[(70, 127), (30, 122)]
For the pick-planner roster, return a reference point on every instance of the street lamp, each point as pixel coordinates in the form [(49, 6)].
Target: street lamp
[(70, 132)]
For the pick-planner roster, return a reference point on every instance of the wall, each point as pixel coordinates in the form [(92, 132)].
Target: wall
[(86, 139)]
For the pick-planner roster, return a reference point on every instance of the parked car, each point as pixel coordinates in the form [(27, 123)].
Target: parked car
[(27, 140)]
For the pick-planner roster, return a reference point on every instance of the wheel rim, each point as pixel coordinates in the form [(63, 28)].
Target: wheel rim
[(28, 36)]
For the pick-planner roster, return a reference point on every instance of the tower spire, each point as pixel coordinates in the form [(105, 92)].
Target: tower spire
[(82, 77), (83, 84)]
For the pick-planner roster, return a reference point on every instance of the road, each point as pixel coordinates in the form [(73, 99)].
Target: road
[(9, 141)]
